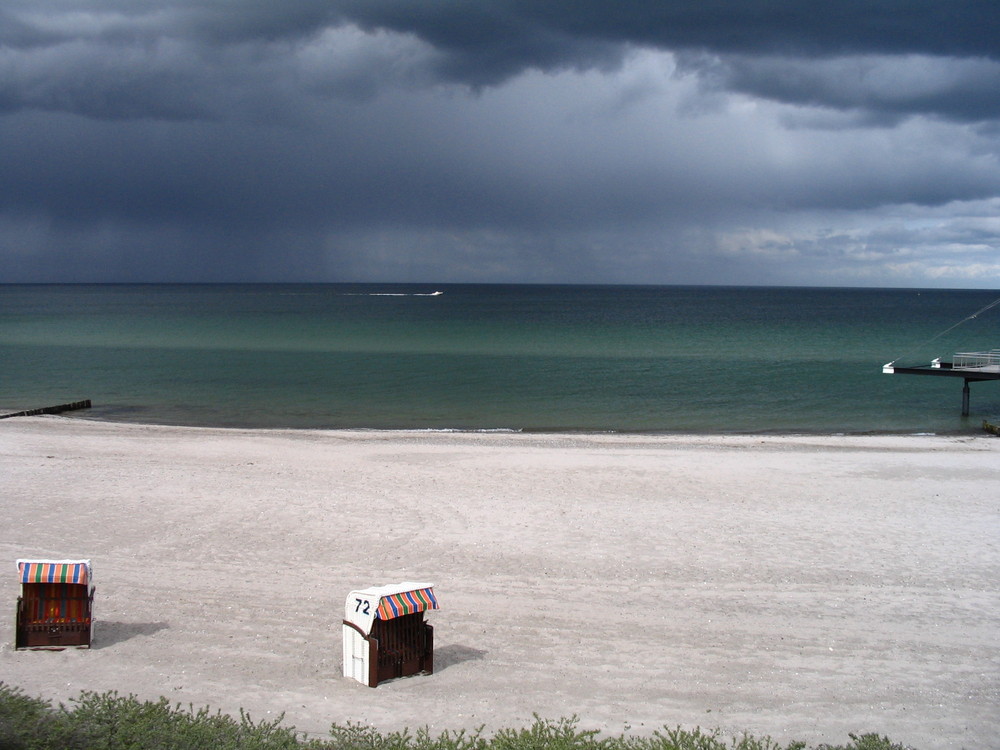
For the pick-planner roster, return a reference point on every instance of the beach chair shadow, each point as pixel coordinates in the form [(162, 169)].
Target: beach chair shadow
[(110, 633), (448, 656)]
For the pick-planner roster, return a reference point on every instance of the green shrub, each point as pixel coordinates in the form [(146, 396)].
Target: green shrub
[(112, 722), (866, 742), (108, 721), (32, 724), (681, 739)]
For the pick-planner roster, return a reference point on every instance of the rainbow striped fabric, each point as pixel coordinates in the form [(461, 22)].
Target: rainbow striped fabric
[(406, 603), (54, 572)]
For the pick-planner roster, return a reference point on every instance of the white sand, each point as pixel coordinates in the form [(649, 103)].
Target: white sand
[(800, 587)]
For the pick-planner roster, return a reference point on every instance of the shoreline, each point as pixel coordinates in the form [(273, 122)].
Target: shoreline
[(801, 587), (971, 431)]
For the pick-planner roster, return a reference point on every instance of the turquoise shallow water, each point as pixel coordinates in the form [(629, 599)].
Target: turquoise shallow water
[(519, 357)]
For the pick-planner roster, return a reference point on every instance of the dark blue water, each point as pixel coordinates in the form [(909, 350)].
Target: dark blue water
[(519, 357)]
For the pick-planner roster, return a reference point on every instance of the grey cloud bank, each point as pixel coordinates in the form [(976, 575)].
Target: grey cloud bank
[(724, 143)]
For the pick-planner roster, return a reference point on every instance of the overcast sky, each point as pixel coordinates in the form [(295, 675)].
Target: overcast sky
[(852, 143)]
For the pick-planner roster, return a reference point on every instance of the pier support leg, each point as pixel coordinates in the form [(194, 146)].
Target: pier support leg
[(965, 399)]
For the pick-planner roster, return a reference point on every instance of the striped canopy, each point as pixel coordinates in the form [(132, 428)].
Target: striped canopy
[(54, 571), (406, 603)]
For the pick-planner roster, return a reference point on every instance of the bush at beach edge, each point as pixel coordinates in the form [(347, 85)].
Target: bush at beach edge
[(109, 721)]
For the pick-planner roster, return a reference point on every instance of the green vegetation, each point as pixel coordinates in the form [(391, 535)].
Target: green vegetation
[(109, 721)]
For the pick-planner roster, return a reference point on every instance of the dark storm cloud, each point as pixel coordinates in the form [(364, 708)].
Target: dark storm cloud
[(694, 140), (28, 23), (175, 59), (882, 88), (782, 49), (489, 40)]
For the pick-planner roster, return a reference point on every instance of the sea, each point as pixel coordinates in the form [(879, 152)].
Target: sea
[(520, 358)]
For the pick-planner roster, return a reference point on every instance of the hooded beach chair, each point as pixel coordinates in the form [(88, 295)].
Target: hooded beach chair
[(385, 635), (55, 608)]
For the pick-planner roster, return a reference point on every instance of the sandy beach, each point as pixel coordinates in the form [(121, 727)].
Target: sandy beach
[(799, 587)]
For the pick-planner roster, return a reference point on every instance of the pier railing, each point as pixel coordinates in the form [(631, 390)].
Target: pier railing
[(977, 360)]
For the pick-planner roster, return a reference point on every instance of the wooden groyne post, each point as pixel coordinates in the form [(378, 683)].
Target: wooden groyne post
[(85, 404)]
